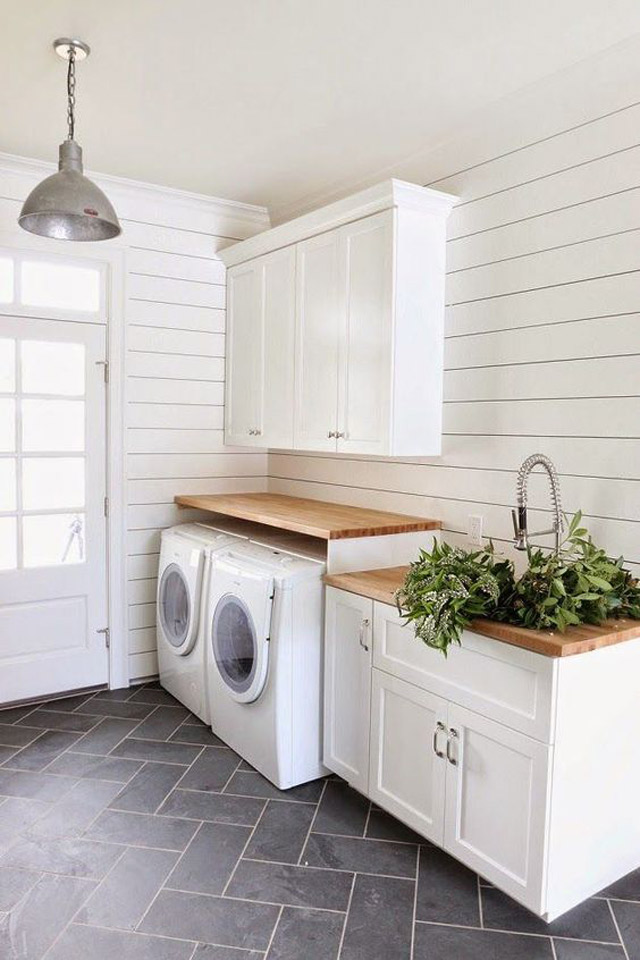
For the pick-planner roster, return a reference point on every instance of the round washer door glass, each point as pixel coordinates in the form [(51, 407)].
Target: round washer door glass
[(235, 647), (174, 606)]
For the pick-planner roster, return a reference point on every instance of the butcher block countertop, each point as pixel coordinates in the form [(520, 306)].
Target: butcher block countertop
[(328, 521), (382, 584)]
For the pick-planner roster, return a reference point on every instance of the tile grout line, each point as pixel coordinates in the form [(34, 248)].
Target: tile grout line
[(273, 932), (313, 820), (519, 933), (617, 928), (346, 917), (163, 885), (415, 907), (242, 852), (367, 822), (480, 904)]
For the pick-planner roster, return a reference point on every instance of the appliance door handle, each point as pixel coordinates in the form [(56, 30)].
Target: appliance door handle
[(363, 629)]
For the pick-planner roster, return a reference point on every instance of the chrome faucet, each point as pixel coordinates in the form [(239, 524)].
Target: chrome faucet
[(520, 515)]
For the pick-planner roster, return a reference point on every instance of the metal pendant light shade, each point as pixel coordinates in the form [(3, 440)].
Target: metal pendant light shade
[(67, 205)]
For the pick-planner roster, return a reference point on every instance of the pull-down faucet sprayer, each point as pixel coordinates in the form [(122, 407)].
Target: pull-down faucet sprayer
[(520, 515)]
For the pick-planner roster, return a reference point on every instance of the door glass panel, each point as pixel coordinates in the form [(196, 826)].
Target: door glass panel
[(51, 425), (7, 426), (6, 280), (56, 368), (7, 485), (8, 552), (62, 286), (7, 366), (175, 607), (53, 539), (234, 643), (53, 482)]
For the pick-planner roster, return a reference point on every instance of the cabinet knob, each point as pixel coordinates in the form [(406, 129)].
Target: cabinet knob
[(453, 735), (339, 434), (440, 728), (331, 433), (257, 433)]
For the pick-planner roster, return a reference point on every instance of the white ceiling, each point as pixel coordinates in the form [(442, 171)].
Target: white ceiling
[(272, 101)]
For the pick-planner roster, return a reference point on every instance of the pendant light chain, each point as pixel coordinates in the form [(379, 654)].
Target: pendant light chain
[(71, 93)]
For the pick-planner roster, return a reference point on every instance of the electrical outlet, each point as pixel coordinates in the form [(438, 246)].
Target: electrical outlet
[(474, 530)]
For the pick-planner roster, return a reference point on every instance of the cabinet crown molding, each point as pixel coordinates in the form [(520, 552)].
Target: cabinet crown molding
[(365, 203)]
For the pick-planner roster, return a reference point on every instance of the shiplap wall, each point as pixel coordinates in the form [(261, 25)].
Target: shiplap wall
[(175, 392), (542, 343), (174, 314)]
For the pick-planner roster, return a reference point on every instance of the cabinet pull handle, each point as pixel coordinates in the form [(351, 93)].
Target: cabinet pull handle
[(440, 728), (363, 628), (331, 433), (257, 433), (340, 435), (453, 735)]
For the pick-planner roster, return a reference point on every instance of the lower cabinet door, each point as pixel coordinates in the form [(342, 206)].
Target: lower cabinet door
[(408, 756), (347, 686), (496, 806)]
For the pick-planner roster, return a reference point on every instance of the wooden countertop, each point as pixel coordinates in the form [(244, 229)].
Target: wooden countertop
[(382, 584), (328, 521)]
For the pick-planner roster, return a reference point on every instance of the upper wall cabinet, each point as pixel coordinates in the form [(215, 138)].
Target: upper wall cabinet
[(361, 283), (260, 343)]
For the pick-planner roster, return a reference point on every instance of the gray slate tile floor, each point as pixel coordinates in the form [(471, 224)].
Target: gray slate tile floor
[(128, 831)]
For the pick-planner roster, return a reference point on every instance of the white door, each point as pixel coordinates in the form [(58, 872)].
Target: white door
[(408, 758), (364, 383), (497, 782), (319, 325), (244, 355), (53, 596), (347, 680), (279, 293)]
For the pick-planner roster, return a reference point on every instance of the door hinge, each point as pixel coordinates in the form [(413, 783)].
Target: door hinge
[(107, 636), (106, 506), (105, 367)]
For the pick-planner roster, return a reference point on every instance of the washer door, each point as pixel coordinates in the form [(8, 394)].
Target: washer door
[(175, 609), (240, 653)]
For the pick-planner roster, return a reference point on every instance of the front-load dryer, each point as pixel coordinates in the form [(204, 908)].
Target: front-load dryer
[(184, 559), (263, 639)]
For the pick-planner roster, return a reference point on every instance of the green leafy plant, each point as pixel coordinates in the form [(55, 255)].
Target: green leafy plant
[(447, 588)]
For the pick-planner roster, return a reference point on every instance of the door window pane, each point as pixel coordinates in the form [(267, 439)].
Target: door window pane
[(51, 425), (234, 643), (54, 539), (6, 280), (8, 548), (63, 286), (175, 606), (7, 426), (7, 485), (56, 368), (52, 483), (7, 366)]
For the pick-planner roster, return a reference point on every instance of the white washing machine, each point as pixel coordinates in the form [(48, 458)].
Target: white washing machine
[(185, 554), (263, 638)]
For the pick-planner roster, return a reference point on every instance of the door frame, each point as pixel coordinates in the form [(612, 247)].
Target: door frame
[(113, 261)]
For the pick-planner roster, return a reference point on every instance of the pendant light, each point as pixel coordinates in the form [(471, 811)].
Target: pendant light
[(67, 205)]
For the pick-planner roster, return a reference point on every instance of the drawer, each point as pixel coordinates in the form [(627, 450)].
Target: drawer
[(502, 682)]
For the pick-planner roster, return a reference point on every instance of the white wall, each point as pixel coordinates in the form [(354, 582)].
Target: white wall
[(542, 321), (174, 312)]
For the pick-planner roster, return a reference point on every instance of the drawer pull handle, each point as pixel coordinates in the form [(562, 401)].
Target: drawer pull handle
[(453, 735), (440, 728), (363, 628)]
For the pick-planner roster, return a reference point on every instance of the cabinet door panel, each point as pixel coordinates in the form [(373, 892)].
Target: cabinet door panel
[(318, 325), (276, 409), (364, 384), (496, 807), (407, 776), (347, 686), (244, 354)]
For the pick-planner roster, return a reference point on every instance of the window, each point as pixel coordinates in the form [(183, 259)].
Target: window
[(42, 453), (32, 284)]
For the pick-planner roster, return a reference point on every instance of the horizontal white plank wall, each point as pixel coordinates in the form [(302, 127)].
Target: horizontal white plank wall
[(175, 363), (542, 342)]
